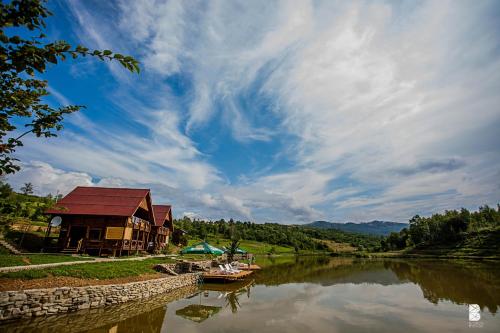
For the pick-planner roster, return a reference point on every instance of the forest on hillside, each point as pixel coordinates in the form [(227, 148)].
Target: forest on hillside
[(448, 227), (298, 237), (452, 226), (23, 206)]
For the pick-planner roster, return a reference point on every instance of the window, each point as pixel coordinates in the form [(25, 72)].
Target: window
[(95, 234)]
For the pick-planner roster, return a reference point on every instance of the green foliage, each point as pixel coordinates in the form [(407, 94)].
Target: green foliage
[(295, 238), (179, 239), (16, 206), (25, 51), (233, 248), (27, 188), (450, 227)]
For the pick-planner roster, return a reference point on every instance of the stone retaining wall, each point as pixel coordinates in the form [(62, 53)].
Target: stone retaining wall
[(103, 318), (40, 302)]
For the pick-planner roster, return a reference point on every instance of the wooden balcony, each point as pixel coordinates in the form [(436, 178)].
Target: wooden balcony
[(133, 245)]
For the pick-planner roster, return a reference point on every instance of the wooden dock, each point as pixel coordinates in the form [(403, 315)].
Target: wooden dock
[(247, 268), (225, 277)]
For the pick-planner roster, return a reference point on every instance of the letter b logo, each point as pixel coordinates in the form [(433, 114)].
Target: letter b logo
[(474, 312)]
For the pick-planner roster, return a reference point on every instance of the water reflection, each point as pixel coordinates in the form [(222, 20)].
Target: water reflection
[(297, 294), (461, 282), (198, 312)]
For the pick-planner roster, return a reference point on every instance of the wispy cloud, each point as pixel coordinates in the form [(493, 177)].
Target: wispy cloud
[(380, 110)]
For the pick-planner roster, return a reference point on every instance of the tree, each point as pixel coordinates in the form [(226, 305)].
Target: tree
[(27, 188), (5, 189), (233, 248), (21, 92)]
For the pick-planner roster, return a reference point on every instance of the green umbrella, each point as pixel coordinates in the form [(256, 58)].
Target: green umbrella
[(202, 248), (240, 251)]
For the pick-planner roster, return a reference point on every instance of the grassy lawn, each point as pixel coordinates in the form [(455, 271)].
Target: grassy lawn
[(247, 245), (101, 271), (336, 247), (7, 260)]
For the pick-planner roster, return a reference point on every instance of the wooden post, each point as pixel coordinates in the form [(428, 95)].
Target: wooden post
[(137, 238), (68, 237)]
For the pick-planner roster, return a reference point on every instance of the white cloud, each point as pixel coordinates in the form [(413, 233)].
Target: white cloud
[(379, 98), (47, 179)]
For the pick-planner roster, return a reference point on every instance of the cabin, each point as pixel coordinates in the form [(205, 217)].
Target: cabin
[(109, 221), (163, 228)]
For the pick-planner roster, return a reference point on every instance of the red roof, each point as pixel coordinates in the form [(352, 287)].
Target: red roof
[(100, 201), (161, 214)]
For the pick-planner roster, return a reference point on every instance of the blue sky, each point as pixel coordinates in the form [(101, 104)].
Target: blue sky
[(282, 111)]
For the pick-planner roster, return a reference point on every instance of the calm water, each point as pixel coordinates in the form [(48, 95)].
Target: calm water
[(313, 294)]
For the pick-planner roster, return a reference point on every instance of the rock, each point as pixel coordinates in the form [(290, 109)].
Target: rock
[(62, 300), (18, 297), (165, 268), (39, 313)]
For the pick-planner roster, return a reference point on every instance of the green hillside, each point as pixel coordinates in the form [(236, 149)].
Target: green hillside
[(452, 233), (261, 238)]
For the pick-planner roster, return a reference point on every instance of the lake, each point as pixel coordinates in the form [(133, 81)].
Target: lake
[(310, 294)]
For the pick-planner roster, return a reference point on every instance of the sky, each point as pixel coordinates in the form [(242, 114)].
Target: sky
[(279, 111)]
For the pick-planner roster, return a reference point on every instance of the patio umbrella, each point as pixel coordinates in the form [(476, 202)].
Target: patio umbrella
[(240, 251), (202, 248)]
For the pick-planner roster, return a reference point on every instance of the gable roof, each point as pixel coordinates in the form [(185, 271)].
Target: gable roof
[(101, 201), (162, 213)]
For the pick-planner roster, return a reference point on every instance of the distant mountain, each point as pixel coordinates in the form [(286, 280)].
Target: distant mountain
[(372, 228)]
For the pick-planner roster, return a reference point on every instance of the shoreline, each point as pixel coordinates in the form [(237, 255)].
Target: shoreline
[(96, 317), (431, 256), (50, 301)]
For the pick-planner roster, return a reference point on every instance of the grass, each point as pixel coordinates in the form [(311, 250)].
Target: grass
[(336, 247), (100, 271), (247, 245), (7, 260)]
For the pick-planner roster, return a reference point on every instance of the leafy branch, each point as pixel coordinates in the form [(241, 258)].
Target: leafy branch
[(21, 93)]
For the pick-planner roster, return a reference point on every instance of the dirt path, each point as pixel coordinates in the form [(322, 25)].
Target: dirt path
[(65, 281)]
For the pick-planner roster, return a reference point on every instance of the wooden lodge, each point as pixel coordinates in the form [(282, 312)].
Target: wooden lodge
[(163, 228), (111, 221)]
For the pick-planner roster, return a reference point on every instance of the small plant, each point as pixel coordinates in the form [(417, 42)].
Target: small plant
[(233, 248)]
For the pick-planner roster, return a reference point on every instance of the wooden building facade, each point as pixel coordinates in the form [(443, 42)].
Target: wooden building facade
[(163, 228), (109, 221)]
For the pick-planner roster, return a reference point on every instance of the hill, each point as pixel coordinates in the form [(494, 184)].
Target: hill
[(293, 236), (379, 228), (482, 243)]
